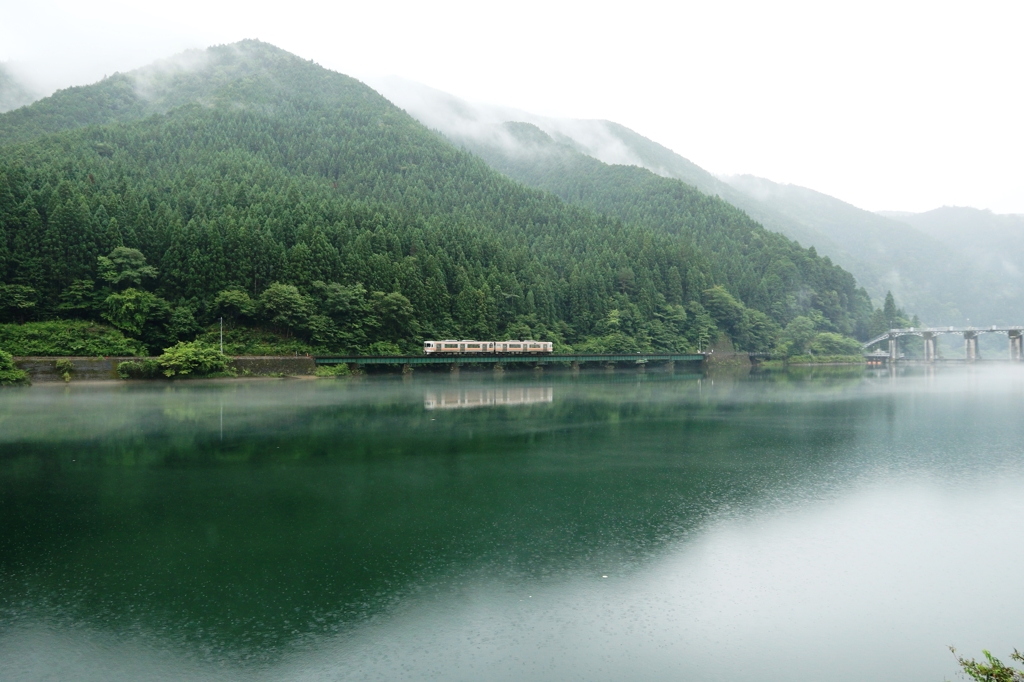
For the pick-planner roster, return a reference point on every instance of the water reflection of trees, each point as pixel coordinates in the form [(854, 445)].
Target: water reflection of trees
[(308, 518)]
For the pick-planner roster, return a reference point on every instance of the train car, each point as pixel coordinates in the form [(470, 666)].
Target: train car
[(520, 347), (471, 347), (458, 347)]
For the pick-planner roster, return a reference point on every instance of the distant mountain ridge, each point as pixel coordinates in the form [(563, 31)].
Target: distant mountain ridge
[(996, 240), (927, 272), (936, 277)]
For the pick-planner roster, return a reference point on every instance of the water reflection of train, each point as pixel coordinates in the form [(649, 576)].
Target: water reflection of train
[(449, 399), (466, 347)]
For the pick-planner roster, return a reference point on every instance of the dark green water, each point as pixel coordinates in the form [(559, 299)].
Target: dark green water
[(607, 527)]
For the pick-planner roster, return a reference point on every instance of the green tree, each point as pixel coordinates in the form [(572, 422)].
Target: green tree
[(889, 309), (17, 301), (723, 308), (125, 267), (396, 318), (132, 310), (182, 323), (796, 337), (234, 305), (80, 299), (284, 307)]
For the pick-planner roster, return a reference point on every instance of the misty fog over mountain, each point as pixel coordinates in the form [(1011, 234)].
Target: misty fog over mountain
[(15, 92), (948, 266)]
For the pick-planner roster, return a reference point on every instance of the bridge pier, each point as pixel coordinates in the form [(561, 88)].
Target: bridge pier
[(407, 368), (670, 366), (576, 366), (454, 369), (929, 346), (1016, 344), (971, 346), (894, 349), (499, 368)]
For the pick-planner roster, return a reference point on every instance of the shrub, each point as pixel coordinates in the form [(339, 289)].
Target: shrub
[(383, 348), (9, 374), (333, 371), (251, 341), (192, 358), (64, 368), (139, 369), (66, 337), (827, 343), (826, 359)]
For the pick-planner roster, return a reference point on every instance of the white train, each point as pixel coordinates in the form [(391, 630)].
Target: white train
[(467, 347)]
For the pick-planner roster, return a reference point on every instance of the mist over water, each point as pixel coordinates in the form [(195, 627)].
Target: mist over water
[(801, 526)]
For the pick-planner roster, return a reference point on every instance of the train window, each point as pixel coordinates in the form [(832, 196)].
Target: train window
[(534, 345), (473, 345), (451, 345)]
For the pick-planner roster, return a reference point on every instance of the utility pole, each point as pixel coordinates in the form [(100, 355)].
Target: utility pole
[(222, 335)]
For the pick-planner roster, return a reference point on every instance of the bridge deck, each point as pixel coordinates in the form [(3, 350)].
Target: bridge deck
[(938, 331), (502, 359)]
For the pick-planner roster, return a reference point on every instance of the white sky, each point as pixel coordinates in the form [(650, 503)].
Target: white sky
[(887, 105)]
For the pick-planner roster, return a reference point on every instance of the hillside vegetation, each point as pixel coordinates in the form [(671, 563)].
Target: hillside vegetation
[(243, 182), (948, 265)]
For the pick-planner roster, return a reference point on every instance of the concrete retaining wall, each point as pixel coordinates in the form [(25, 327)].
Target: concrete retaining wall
[(91, 368)]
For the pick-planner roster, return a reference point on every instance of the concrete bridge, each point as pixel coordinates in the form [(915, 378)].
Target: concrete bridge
[(970, 335)]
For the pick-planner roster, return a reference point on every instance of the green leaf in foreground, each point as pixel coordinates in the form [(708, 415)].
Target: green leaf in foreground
[(992, 669)]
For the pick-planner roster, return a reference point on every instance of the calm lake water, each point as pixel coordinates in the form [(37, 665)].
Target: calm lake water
[(807, 526)]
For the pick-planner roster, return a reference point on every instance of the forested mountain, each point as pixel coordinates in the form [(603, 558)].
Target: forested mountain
[(753, 260), (927, 273), (243, 181), (948, 265), (990, 243)]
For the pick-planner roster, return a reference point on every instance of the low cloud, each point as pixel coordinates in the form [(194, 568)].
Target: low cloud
[(485, 124)]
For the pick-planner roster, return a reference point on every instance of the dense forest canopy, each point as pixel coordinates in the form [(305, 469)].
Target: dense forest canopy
[(243, 182)]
